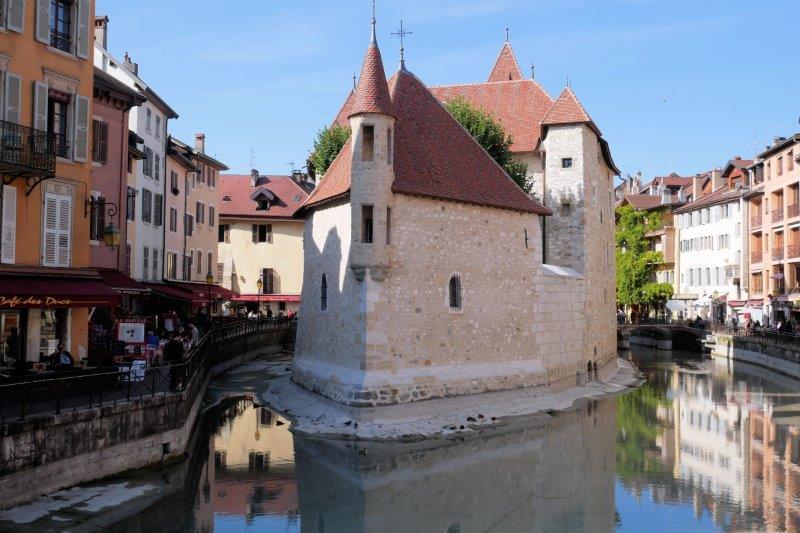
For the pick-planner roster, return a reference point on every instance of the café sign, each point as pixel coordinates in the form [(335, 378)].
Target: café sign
[(12, 302)]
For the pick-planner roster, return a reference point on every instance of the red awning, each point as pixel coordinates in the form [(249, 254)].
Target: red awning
[(176, 293), (201, 290), (122, 283), (26, 292), (737, 303), (266, 298)]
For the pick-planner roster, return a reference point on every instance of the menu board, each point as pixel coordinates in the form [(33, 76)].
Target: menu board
[(131, 331)]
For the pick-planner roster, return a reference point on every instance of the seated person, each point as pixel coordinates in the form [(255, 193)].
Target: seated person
[(61, 359), (152, 339)]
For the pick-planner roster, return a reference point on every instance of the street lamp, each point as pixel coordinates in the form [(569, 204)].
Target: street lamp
[(209, 283), (259, 286)]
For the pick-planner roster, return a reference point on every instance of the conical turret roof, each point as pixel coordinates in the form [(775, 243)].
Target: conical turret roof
[(372, 93)]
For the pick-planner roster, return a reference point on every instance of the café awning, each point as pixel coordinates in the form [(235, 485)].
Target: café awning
[(176, 293), (33, 292), (122, 283), (266, 298)]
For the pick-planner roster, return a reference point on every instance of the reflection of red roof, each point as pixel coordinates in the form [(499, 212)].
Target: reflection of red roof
[(234, 193), (506, 67)]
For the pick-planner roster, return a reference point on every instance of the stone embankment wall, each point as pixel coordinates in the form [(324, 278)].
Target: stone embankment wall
[(778, 356), (45, 453)]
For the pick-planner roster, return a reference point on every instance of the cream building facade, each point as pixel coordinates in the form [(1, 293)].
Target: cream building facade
[(260, 240), (424, 273)]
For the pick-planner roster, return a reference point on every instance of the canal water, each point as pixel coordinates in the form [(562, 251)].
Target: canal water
[(703, 445)]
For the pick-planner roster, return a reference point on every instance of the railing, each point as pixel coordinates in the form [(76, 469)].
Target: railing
[(755, 222), (777, 215), (792, 251), (24, 149), (793, 211), (756, 257), (782, 339), (62, 41), (77, 390), (777, 253)]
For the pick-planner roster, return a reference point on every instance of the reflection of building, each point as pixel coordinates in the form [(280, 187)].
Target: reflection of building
[(253, 472), (555, 477)]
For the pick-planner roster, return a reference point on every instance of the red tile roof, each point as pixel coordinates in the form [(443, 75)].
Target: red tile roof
[(518, 105), (567, 110), (722, 195), (343, 117), (237, 189), (372, 93), (506, 67), (646, 202), (434, 157), (674, 180)]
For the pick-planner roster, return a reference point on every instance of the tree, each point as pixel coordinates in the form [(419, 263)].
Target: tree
[(327, 145), (489, 134), (636, 262)]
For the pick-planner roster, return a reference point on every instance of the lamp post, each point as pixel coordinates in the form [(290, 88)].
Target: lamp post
[(259, 286), (209, 283)]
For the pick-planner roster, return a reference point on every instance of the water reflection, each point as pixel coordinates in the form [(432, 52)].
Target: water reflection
[(702, 445), (717, 438)]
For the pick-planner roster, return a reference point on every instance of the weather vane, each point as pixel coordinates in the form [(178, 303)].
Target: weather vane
[(402, 34)]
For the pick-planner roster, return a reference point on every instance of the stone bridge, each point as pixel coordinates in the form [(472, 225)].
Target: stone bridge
[(661, 336)]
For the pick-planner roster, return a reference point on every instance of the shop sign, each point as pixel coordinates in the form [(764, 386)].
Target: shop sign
[(33, 301), (131, 331)]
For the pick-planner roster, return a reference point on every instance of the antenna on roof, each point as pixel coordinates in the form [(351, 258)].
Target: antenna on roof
[(402, 34), (291, 167)]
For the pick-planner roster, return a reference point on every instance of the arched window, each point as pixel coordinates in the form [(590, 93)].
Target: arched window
[(454, 292), (323, 293)]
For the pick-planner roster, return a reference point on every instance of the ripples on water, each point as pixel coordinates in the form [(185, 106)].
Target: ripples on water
[(701, 446)]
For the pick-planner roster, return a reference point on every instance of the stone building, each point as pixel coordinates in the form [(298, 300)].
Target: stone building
[(424, 272)]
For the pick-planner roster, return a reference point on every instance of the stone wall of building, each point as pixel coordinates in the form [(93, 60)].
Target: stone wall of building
[(393, 338)]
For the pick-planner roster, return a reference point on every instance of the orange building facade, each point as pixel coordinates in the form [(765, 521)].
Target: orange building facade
[(47, 290)]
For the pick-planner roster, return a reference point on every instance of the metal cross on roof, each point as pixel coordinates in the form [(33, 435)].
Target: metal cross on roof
[(402, 34)]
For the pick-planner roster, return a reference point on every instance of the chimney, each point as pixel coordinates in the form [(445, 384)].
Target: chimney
[(253, 177), (101, 31), (716, 180), (666, 197), (697, 187), (130, 65), (200, 142), (777, 140)]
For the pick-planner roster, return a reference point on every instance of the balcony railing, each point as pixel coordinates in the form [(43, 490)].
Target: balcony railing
[(792, 251), (777, 253), (793, 211), (756, 257), (62, 41), (755, 222), (777, 215), (25, 151)]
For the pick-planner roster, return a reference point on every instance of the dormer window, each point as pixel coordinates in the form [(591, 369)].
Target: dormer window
[(264, 199), (367, 142), (226, 198)]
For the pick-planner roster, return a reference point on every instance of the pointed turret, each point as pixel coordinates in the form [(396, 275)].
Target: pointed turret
[(372, 92), (506, 67), (567, 110)]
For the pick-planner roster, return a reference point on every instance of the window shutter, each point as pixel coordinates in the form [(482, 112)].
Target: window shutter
[(49, 231), (43, 21), (81, 137), (13, 94), (255, 233), (84, 16), (103, 142), (157, 215), (9, 230), (64, 231), (16, 15), (40, 106)]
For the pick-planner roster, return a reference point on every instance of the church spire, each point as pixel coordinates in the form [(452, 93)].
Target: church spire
[(372, 92)]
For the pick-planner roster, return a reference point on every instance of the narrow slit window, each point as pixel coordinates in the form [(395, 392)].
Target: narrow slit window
[(454, 292), (368, 143), (366, 224), (323, 293), (388, 225), (389, 146)]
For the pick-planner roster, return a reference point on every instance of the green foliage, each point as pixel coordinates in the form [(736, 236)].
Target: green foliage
[(489, 134), (636, 263), (327, 145), (656, 295), (638, 429)]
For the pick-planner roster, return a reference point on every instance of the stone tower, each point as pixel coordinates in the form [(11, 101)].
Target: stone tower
[(372, 125)]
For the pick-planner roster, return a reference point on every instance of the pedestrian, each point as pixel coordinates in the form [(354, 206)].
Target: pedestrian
[(174, 354), (152, 339), (194, 333)]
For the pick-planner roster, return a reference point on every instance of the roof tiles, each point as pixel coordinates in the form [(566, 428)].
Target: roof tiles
[(237, 189), (506, 67), (372, 93)]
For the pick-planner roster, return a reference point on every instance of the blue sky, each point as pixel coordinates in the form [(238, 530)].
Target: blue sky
[(673, 85)]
